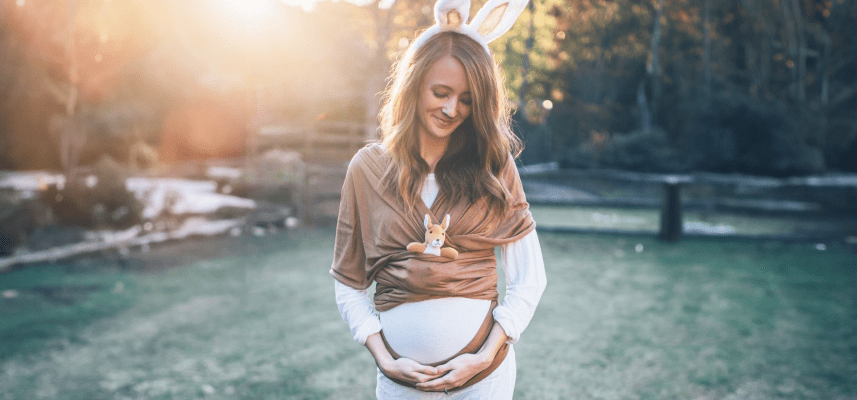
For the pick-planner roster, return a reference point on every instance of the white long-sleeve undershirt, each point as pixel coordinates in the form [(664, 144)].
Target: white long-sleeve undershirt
[(525, 282)]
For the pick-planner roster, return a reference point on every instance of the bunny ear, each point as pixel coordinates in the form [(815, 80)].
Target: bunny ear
[(496, 17), (427, 221), (450, 14), (445, 223)]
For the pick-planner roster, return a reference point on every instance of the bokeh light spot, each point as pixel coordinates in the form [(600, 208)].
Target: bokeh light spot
[(547, 104)]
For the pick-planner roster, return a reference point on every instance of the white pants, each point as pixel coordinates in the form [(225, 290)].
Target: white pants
[(499, 385)]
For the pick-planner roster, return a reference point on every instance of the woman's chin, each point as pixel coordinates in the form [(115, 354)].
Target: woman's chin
[(442, 132), (445, 134)]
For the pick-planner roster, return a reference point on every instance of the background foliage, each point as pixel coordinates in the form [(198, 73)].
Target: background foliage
[(753, 86)]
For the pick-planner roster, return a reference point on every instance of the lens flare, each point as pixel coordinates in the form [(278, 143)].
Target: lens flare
[(248, 9)]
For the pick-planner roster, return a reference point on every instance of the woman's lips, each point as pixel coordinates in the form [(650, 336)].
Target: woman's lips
[(444, 123)]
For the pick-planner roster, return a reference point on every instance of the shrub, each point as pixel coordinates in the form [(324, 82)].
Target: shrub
[(16, 226), (96, 200), (748, 136), (537, 138), (644, 151)]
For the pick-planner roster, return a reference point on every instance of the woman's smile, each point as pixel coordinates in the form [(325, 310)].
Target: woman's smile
[(445, 123)]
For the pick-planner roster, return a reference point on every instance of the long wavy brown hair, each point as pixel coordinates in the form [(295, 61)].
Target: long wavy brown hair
[(478, 149)]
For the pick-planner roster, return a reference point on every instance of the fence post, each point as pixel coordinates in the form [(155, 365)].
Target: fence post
[(306, 196), (671, 218)]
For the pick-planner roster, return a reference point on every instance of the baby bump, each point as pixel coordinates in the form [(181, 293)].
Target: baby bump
[(433, 330)]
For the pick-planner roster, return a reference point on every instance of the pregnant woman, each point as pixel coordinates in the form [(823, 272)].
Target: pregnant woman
[(446, 149)]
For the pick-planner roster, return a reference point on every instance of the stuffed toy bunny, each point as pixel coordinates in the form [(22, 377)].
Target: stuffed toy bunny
[(435, 236)]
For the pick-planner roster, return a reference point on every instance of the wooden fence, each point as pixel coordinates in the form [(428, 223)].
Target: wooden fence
[(821, 197)]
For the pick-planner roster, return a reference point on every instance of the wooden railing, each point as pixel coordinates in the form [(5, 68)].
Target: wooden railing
[(321, 138), (674, 194)]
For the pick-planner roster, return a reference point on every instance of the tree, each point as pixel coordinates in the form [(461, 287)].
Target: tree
[(70, 55)]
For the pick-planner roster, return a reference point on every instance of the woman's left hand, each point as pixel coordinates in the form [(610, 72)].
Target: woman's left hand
[(457, 372)]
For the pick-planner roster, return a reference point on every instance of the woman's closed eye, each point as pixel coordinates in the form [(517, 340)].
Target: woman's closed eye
[(464, 100)]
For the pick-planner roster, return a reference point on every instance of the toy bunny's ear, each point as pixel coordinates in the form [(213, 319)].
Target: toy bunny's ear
[(496, 17), (445, 223), (450, 14), (427, 221)]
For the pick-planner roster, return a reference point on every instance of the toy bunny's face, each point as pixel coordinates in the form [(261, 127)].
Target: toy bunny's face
[(435, 236), (435, 233)]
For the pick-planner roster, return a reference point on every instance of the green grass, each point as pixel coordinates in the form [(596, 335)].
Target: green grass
[(254, 318), (597, 217), (697, 320), (648, 220)]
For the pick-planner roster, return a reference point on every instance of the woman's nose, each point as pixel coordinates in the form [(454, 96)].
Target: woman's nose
[(449, 108)]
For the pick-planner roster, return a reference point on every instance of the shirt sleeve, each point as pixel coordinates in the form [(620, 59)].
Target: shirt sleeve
[(357, 310), (525, 282)]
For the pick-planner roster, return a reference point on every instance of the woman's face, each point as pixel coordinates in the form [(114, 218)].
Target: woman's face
[(444, 99)]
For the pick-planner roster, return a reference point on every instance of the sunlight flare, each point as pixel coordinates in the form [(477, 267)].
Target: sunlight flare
[(249, 9)]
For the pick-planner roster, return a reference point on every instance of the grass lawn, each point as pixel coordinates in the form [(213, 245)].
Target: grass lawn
[(254, 318), (648, 220)]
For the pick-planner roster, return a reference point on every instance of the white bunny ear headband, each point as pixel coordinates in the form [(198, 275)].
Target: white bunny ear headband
[(494, 19)]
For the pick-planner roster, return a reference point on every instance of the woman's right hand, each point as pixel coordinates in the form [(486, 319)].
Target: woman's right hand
[(403, 369)]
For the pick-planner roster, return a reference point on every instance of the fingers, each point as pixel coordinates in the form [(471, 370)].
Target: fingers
[(442, 369), (420, 368), (421, 378), (445, 380), (436, 385), (411, 371), (452, 374), (426, 370)]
